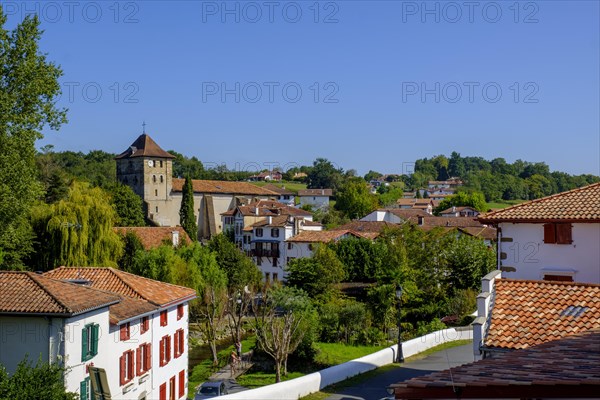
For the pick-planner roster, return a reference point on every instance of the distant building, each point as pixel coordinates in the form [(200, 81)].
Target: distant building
[(459, 212), (316, 198), (155, 236), (148, 170), (303, 244), (285, 196), (267, 176)]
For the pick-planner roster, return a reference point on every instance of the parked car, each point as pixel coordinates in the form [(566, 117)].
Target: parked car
[(209, 390)]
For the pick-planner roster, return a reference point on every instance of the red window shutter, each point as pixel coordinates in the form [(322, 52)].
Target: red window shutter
[(164, 319), (168, 349), (549, 233), (146, 324), (181, 341), (162, 352), (123, 332), (564, 234), (122, 369), (148, 357), (181, 383), (162, 392), (179, 311), (138, 361), (176, 344)]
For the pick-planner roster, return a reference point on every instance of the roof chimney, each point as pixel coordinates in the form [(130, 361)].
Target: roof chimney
[(453, 208), (175, 238), (256, 210), (269, 220), (421, 219), (323, 192)]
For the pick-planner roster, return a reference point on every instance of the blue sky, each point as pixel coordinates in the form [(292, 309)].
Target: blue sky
[(382, 82)]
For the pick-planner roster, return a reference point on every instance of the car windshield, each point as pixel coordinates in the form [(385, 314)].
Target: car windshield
[(209, 390)]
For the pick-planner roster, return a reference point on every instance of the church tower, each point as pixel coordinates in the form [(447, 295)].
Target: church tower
[(148, 170)]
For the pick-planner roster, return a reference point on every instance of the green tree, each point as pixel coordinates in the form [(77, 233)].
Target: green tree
[(354, 199), (469, 259), (473, 199), (77, 230), (281, 322), (131, 246), (324, 175), (318, 274), (29, 89), (40, 382), (184, 166), (127, 205), (187, 217), (371, 175)]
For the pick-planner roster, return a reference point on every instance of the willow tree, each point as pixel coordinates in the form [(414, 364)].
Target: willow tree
[(29, 88), (78, 230), (187, 218)]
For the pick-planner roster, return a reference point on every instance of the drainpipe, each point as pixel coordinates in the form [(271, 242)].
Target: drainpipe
[(498, 248)]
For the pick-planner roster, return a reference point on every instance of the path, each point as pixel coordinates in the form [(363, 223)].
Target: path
[(375, 388), (224, 374)]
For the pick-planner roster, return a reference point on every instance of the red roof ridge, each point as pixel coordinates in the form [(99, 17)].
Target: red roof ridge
[(540, 282), (41, 286)]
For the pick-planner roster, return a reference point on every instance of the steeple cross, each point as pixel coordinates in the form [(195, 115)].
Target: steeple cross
[(144, 127)]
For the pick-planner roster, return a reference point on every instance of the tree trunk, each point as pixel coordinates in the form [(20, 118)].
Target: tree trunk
[(213, 350), (277, 371), (285, 367)]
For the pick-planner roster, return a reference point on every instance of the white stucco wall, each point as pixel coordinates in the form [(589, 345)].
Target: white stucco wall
[(315, 201), (531, 257)]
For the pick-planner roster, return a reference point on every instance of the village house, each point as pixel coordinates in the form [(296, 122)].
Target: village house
[(155, 236), (148, 170), (394, 215), (303, 244), (276, 176), (426, 205), (116, 334), (463, 211), (285, 196), (316, 198), (554, 238)]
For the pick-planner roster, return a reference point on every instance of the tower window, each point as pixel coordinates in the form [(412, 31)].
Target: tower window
[(156, 208), (161, 165), (156, 192), (154, 178), (161, 178)]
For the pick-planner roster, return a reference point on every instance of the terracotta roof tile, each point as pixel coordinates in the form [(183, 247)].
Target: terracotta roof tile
[(223, 187), (322, 236), (573, 361), (456, 222), (268, 208), (126, 284), (577, 205), (144, 146), (28, 292), (155, 236), (129, 307), (280, 190), (315, 192), (526, 313), (485, 232), (369, 229)]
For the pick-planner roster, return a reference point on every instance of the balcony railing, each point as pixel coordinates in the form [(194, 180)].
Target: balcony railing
[(265, 253)]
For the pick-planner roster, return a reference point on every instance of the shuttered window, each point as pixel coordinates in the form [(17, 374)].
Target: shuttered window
[(178, 343), (125, 331), (181, 383), (164, 319), (126, 367), (144, 325), (143, 358), (549, 233), (89, 341), (84, 389), (179, 311), (559, 233), (165, 350), (162, 392)]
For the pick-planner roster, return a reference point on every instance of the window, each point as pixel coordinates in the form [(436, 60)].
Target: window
[(246, 239), (156, 209), (290, 246), (125, 332), (161, 177), (274, 261), (310, 246), (267, 277), (165, 350), (143, 358), (164, 318), (258, 261), (89, 341), (562, 278), (559, 233), (181, 383), (179, 311), (144, 325), (154, 178), (85, 392), (156, 192), (178, 343), (172, 388), (259, 232), (126, 364), (275, 232), (275, 277), (160, 162)]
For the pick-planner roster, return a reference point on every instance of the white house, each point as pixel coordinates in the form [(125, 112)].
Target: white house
[(316, 198), (286, 196), (463, 211), (394, 215), (552, 238), (115, 333), (303, 244)]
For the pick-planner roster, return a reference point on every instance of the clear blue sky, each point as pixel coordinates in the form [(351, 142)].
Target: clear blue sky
[(375, 58)]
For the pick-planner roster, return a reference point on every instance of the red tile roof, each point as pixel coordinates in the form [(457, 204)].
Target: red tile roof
[(128, 308), (577, 205), (157, 293), (268, 208), (280, 190), (155, 236), (457, 209), (28, 292), (322, 236), (568, 368), (144, 146), (457, 222), (223, 187), (315, 192), (527, 313), (370, 229), (485, 232)]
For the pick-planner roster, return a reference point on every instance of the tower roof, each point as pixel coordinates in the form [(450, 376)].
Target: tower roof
[(144, 146)]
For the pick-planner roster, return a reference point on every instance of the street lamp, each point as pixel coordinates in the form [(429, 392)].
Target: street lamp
[(399, 353)]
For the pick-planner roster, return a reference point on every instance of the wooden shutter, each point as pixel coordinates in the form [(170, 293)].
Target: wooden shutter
[(130, 370), (162, 392), (84, 342), (122, 361), (181, 341), (564, 234), (549, 233), (148, 357), (176, 344), (181, 383), (179, 311), (138, 361), (95, 338), (83, 390), (161, 360), (123, 332), (168, 349)]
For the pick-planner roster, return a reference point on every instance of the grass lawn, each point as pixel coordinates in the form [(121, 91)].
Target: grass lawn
[(504, 204), (293, 186), (355, 380), (254, 380), (338, 353), (205, 369)]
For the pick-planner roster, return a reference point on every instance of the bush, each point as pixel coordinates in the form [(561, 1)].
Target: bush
[(371, 337), (423, 328)]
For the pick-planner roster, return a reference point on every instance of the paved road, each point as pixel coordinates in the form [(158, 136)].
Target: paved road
[(374, 388)]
